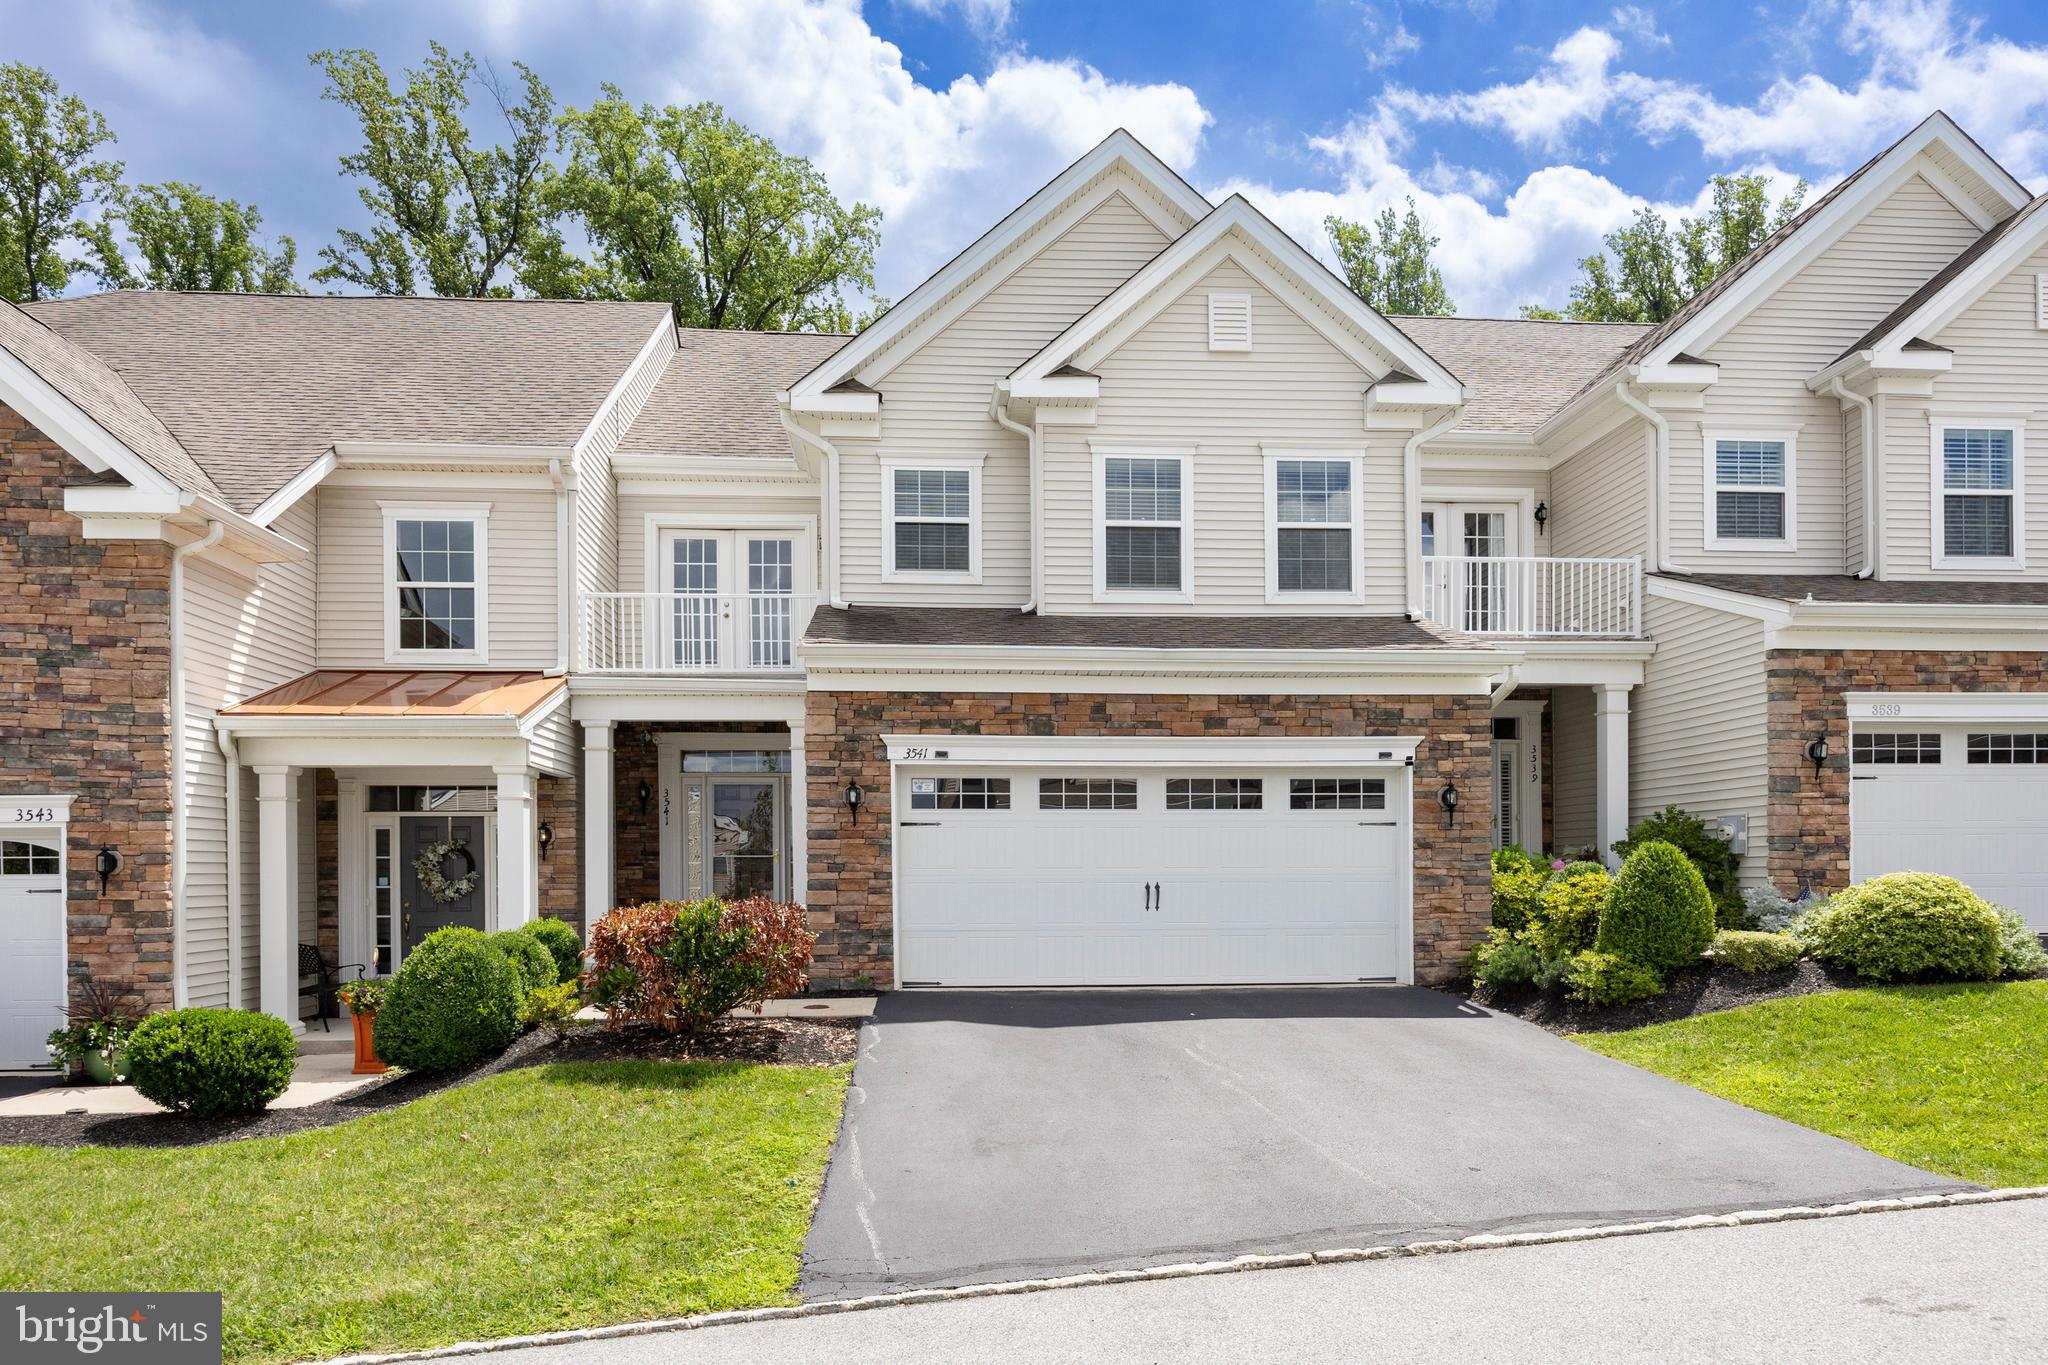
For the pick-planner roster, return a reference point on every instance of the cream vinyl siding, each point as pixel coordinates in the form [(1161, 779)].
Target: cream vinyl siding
[(1764, 361), (936, 403), (241, 637), (1574, 770), (1475, 484), (1599, 504), (355, 580), (2000, 375), (1697, 725), (553, 748), (698, 511), (1164, 387), (598, 527)]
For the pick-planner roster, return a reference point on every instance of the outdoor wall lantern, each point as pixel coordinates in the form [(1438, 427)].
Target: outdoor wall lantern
[(646, 795), (106, 862), (1448, 799), (1542, 516), (547, 838), (1818, 752), (853, 795)]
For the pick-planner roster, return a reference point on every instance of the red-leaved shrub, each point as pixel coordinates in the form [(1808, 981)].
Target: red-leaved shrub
[(678, 965)]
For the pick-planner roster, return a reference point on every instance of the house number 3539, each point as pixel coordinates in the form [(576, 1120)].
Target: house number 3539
[(1885, 708)]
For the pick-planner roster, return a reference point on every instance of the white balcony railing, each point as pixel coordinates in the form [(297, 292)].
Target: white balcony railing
[(692, 632), (1567, 598)]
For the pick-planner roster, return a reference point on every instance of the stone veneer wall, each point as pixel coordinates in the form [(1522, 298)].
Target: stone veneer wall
[(849, 897), (561, 872), (85, 707), (1808, 825)]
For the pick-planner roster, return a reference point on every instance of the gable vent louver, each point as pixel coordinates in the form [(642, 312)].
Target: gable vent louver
[(1230, 322)]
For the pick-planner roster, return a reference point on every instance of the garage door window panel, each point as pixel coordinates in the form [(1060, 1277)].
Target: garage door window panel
[(19, 858), (1978, 476), (960, 793), (1215, 793), (1888, 747), (2004, 750), (1087, 793), (1337, 793)]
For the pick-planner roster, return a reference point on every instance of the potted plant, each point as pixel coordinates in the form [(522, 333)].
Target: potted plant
[(95, 1033), (363, 998)]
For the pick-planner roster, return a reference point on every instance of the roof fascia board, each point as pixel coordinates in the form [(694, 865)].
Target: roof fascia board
[(300, 484), (1589, 426), (656, 350), (1768, 610), (636, 464), (361, 453), (1125, 659), (900, 326), (72, 428)]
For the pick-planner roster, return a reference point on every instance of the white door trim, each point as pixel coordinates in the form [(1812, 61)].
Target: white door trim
[(1994, 708), (1528, 713), (668, 766)]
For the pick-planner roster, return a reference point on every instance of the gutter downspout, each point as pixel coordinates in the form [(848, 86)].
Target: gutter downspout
[(1508, 683), (564, 481), (229, 752), (1411, 502), (828, 477), (1870, 438), (1001, 418), (214, 531), (1660, 480)]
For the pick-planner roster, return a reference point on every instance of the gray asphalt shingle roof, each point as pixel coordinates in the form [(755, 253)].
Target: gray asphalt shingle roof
[(1844, 588), (1519, 372), (1008, 626), (718, 394)]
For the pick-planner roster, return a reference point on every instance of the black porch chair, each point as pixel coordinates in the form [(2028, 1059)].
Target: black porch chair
[(325, 978)]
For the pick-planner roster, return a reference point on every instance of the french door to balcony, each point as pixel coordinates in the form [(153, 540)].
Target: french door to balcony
[(732, 602), (1469, 586)]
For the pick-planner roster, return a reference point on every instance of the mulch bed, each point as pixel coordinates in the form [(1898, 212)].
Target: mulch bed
[(788, 1042), (1697, 990)]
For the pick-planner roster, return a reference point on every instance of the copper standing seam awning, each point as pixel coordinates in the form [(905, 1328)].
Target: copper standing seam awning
[(395, 692)]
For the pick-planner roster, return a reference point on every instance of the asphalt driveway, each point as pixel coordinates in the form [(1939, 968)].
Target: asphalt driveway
[(996, 1135)]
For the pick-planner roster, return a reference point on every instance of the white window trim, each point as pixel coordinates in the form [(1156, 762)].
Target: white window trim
[(1186, 456), (658, 526), (1710, 438), (890, 464), (1271, 475), (479, 515), (1938, 427)]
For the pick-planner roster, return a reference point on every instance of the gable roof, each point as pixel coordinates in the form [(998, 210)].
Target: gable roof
[(1236, 215), (2015, 236), (982, 257), (717, 396), (1519, 371), (256, 387)]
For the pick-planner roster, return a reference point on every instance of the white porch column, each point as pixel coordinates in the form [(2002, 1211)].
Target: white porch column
[(277, 825), (799, 816), (1610, 751), (518, 873), (598, 832), (349, 856)]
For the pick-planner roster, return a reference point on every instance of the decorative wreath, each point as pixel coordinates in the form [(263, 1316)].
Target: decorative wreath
[(427, 867)]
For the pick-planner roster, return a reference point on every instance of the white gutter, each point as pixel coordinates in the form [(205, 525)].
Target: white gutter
[(565, 568), (1030, 434), (1660, 480), (233, 757), (828, 481), (214, 531), (1411, 502), (1870, 441)]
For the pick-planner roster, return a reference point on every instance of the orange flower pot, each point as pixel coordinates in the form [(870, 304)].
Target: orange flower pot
[(366, 1051)]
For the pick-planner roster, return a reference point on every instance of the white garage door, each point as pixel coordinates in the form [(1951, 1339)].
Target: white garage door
[(31, 945), (1969, 801), (1044, 877)]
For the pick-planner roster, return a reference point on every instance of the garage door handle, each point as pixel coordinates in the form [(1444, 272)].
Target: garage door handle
[(46, 891), (1148, 895), (1158, 895), (1388, 823)]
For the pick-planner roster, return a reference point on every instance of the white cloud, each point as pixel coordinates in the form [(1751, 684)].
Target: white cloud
[(1640, 24), (169, 60), (989, 18), (1574, 87)]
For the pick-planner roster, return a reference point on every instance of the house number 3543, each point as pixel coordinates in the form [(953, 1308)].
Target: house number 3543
[(32, 815)]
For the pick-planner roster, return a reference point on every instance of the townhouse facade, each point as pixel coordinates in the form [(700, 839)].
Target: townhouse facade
[(1129, 605)]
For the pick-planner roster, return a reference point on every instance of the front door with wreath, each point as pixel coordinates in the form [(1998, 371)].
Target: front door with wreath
[(443, 876)]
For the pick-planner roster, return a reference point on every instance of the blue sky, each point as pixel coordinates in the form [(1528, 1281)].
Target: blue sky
[(1523, 131)]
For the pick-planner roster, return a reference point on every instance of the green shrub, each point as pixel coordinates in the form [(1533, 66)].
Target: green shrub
[(1906, 924), (1706, 848), (1506, 964), (1568, 911), (2019, 948), (1610, 979), (1658, 912), (529, 957), (562, 944), (679, 966), (212, 1063), (551, 1006), (1517, 882), (1578, 868), (1749, 951), (456, 998)]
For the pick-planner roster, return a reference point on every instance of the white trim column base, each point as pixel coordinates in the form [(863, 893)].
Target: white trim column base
[(1610, 751), (518, 899), (277, 951), (599, 782), (799, 818)]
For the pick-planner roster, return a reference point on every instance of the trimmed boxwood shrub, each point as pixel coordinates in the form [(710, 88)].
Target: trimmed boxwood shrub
[(1749, 951), (562, 944), (1706, 848), (2019, 948), (456, 998), (529, 957), (1907, 924), (212, 1063), (1610, 979), (1658, 912)]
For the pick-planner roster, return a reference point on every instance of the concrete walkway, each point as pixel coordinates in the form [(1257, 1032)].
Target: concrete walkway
[(325, 1072)]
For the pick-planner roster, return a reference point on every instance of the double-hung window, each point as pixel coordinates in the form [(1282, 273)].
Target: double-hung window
[(1977, 480), (435, 577), (934, 519), (1750, 487), (1312, 527), (1142, 545)]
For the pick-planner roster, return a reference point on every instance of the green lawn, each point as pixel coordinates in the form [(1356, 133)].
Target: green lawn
[(1948, 1078), (556, 1196)]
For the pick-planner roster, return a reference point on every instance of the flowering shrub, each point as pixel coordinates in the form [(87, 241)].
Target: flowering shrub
[(99, 1025), (679, 966)]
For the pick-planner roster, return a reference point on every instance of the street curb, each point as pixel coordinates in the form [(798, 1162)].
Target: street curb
[(1485, 1241)]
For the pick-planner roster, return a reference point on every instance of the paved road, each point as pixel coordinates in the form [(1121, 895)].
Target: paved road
[(1006, 1135), (1966, 1284)]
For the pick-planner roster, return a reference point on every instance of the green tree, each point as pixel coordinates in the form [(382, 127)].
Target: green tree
[(688, 206), (1536, 312), (1655, 270), (1387, 263), (49, 170), (446, 213), (184, 238)]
